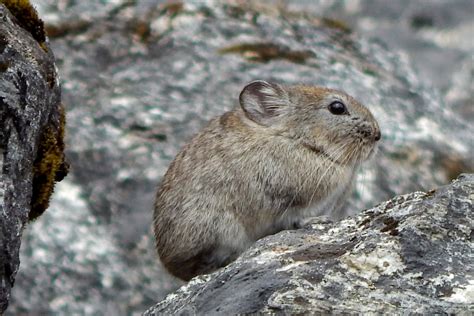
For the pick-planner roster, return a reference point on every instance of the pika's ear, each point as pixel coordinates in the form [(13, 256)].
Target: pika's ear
[(262, 101)]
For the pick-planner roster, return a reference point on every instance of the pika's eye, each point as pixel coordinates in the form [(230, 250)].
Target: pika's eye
[(337, 108)]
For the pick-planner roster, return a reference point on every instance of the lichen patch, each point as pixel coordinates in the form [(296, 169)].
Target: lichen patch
[(381, 261), (462, 294)]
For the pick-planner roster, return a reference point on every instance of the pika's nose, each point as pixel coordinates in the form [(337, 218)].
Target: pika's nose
[(377, 134)]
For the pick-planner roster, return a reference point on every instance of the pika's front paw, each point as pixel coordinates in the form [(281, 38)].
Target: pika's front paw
[(316, 220)]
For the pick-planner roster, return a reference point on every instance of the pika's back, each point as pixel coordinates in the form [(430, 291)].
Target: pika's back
[(287, 153)]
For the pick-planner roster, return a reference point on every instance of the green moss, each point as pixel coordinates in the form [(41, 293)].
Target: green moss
[(453, 165), (336, 24), (28, 19), (4, 66), (69, 27), (3, 43), (49, 167), (419, 21), (234, 11), (369, 71), (142, 29), (172, 8), (265, 52)]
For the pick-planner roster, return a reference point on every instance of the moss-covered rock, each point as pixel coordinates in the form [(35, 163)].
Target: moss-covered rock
[(50, 165), (32, 123), (27, 17)]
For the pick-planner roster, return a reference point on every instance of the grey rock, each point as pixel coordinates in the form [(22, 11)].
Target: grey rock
[(411, 254), (434, 35), (140, 77), (29, 114)]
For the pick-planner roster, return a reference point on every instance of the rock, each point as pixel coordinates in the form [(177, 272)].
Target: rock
[(432, 34), (140, 77), (31, 135), (412, 254)]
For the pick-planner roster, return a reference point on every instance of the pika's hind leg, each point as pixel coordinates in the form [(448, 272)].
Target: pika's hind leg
[(225, 240), (205, 261)]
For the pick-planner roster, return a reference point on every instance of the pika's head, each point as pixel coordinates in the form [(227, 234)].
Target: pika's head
[(326, 121)]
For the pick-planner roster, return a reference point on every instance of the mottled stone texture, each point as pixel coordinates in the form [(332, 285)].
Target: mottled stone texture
[(31, 125), (411, 254), (139, 78)]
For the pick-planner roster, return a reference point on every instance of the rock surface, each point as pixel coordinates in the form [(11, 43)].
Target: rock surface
[(433, 34), (411, 254), (31, 125), (140, 77)]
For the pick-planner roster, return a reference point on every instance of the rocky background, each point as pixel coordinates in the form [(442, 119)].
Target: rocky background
[(139, 78)]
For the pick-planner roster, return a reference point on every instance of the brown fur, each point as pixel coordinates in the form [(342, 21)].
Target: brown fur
[(263, 167)]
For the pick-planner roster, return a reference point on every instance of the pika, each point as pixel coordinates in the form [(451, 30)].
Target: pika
[(286, 154)]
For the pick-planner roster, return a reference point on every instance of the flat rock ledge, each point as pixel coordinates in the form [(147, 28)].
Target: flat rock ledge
[(413, 253)]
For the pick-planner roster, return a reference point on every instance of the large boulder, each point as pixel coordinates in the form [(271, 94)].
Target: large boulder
[(411, 254), (31, 131), (140, 77)]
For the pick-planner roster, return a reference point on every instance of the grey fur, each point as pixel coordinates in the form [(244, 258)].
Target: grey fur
[(278, 159)]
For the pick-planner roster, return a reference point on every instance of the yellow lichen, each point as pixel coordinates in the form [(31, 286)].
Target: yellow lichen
[(50, 165), (28, 19)]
